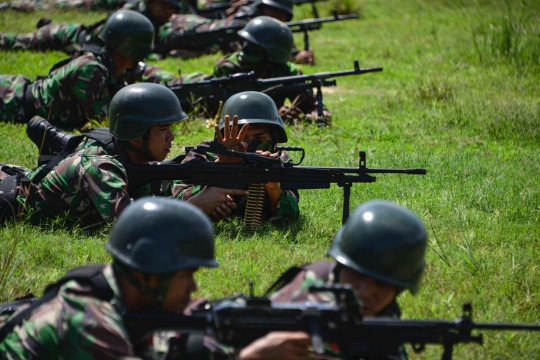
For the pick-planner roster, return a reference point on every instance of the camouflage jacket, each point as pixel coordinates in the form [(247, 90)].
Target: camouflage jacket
[(87, 188), (75, 324), (319, 274), (79, 91), (288, 203), (303, 99)]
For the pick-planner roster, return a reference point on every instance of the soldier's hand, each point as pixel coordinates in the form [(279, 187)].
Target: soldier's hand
[(232, 138), (290, 114), (211, 198), (271, 186), (236, 5), (278, 345), (305, 57), (224, 210), (325, 120)]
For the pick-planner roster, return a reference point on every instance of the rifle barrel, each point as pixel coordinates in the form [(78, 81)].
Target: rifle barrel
[(321, 20)]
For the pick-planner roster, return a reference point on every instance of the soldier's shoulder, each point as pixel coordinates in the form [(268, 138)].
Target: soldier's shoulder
[(86, 65), (292, 69), (91, 158)]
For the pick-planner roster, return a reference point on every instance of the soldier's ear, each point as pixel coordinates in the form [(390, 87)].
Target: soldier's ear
[(137, 143)]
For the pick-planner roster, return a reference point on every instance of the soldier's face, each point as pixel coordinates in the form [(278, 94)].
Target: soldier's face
[(160, 141), (161, 10), (258, 137), (181, 285), (374, 294), (276, 13)]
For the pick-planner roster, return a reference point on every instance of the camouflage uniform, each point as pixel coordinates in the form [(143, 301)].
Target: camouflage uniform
[(32, 5), (67, 37), (288, 203), (319, 274), (69, 96), (87, 188), (180, 24), (85, 326), (303, 100)]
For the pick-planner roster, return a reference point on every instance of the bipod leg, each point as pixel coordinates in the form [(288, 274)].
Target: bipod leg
[(319, 101)]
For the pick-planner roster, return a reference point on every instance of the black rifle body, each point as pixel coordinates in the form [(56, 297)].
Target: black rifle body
[(255, 169), (218, 11), (240, 320), (211, 92)]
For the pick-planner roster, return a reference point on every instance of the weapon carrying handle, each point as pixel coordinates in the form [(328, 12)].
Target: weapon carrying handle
[(293, 148)]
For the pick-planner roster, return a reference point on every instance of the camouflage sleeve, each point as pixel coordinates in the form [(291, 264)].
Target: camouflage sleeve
[(91, 89), (287, 207), (55, 36), (180, 190), (85, 327), (226, 66), (157, 75), (288, 203), (105, 182), (179, 24), (85, 81)]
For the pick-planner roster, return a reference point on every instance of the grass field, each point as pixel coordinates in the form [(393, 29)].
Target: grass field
[(459, 95)]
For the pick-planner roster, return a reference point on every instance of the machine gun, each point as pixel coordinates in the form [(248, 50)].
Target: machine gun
[(211, 92), (240, 320), (257, 169), (305, 26), (229, 34), (218, 11)]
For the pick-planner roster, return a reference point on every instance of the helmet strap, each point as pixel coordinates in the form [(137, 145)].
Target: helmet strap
[(125, 144), (158, 294), (145, 150), (336, 271), (145, 147)]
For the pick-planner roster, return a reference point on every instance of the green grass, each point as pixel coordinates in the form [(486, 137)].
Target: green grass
[(459, 95)]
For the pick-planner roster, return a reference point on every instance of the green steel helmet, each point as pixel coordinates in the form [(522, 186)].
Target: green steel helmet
[(162, 236), (270, 34), (135, 108), (283, 5), (254, 107), (385, 241), (130, 33)]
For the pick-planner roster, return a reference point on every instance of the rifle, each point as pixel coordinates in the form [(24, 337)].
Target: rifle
[(220, 89), (218, 11), (240, 320), (315, 24), (257, 169), (228, 34)]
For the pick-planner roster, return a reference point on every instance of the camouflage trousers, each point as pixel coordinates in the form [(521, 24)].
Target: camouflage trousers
[(12, 88), (49, 37)]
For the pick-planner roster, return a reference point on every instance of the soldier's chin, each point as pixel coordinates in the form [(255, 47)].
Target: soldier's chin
[(160, 157)]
